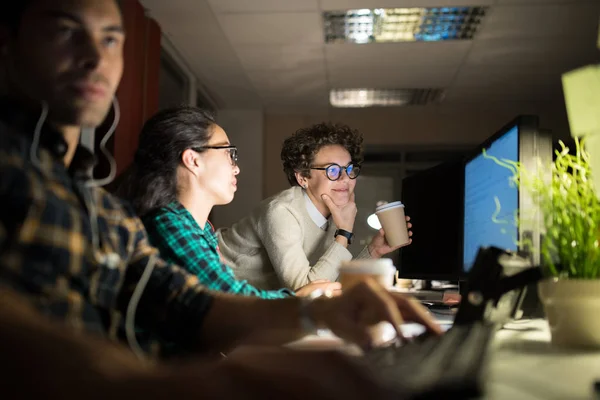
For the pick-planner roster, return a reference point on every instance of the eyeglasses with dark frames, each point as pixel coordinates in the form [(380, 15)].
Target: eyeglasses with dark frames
[(334, 171), (233, 151)]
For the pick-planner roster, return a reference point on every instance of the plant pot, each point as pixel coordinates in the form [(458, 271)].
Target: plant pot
[(573, 310)]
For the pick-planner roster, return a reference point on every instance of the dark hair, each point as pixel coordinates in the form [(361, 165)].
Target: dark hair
[(299, 150), (152, 178), (12, 11)]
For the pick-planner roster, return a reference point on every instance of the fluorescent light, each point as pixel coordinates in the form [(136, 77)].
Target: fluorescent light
[(362, 97), (367, 97), (402, 24)]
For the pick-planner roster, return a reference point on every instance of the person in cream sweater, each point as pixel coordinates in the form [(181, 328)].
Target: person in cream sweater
[(302, 234)]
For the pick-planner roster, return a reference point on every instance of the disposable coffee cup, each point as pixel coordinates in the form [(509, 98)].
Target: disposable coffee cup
[(353, 272), (381, 270), (393, 221)]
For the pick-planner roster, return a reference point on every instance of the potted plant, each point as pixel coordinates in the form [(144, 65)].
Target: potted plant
[(570, 247)]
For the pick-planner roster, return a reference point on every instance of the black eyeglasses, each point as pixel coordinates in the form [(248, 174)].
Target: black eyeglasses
[(233, 151), (334, 171)]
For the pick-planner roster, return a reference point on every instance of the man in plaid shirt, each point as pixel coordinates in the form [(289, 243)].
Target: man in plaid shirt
[(75, 254)]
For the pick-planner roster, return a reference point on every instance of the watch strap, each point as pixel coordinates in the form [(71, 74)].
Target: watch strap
[(344, 233)]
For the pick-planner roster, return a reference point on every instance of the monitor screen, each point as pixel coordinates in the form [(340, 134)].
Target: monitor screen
[(484, 223)]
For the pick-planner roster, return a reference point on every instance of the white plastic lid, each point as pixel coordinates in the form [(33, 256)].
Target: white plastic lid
[(389, 205), (381, 266)]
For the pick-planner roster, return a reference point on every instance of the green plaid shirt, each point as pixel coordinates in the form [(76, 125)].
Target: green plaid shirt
[(174, 231)]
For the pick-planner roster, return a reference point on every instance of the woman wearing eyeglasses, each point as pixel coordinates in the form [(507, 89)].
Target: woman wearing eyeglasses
[(302, 234), (185, 165)]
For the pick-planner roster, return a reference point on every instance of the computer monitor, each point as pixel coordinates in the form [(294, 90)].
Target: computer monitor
[(484, 225), (433, 200)]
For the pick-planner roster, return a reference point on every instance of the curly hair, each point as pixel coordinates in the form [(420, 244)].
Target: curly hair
[(299, 150)]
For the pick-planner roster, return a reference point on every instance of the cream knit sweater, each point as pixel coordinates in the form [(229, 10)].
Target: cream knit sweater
[(279, 245)]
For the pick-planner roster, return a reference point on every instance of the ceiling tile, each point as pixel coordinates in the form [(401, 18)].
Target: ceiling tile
[(505, 83), (320, 100), (252, 53), (173, 13), (188, 24), (506, 75), (222, 74), (542, 2), (273, 28), (236, 97), (558, 55), (288, 81), (252, 6), (216, 52), (396, 54), (397, 77), (277, 57), (504, 93), (291, 87), (535, 21), (227, 85)]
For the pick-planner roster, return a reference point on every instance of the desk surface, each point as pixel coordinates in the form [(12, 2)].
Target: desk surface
[(523, 365)]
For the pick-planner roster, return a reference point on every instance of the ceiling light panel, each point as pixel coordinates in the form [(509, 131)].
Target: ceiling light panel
[(381, 25), (357, 98)]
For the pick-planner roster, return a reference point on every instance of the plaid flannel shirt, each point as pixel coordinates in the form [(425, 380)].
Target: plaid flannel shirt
[(46, 250), (174, 231)]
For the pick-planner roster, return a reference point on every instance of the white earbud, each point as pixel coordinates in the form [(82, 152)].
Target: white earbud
[(110, 260)]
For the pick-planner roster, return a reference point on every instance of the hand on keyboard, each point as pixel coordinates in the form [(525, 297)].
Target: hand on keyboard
[(351, 315), (431, 366)]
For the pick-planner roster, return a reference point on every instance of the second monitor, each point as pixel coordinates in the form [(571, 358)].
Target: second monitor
[(453, 205), (491, 203)]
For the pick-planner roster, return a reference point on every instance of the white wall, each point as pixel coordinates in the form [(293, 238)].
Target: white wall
[(443, 125), (259, 138), (245, 129)]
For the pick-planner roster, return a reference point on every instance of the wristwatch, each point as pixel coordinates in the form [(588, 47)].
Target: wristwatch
[(346, 234)]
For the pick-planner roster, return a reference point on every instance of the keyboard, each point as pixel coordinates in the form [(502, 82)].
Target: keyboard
[(429, 367), (429, 296)]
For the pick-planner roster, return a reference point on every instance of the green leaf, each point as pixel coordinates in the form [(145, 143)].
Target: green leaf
[(570, 212)]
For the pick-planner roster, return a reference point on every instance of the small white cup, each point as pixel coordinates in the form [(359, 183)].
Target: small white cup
[(382, 270)]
